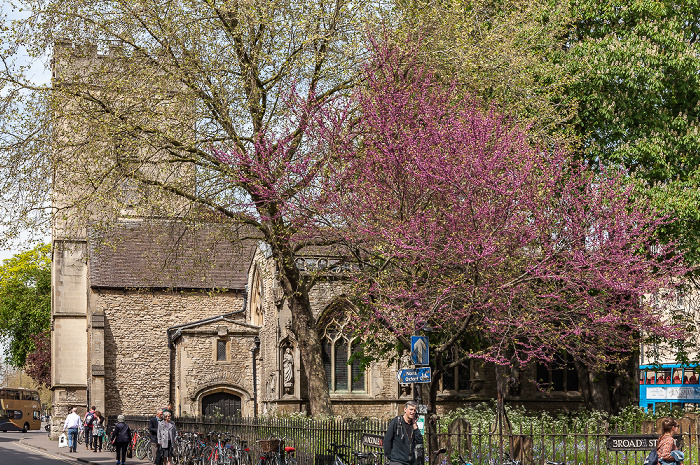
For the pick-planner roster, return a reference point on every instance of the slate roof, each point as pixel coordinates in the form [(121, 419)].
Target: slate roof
[(169, 254)]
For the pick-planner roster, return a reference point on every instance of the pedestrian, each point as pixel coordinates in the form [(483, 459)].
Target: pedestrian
[(403, 439), (98, 431), (87, 425), (167, 433), (71, 426), (121, 438), (666, 446), (168, 409), (153, 429)]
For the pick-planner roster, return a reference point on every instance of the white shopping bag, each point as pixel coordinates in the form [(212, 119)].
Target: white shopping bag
[(63, 440)]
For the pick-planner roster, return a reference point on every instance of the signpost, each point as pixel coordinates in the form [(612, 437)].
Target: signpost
[(414, 375)]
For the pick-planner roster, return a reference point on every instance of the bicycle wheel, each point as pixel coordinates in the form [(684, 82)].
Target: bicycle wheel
[(142, 448), (289, 460), (81, 436), (244, 458)]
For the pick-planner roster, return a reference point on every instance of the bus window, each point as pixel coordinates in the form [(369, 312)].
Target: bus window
[(35, 396), (14, 414), (37, 415), (677, 373), (693, 378), (26, 395), (12, 395)]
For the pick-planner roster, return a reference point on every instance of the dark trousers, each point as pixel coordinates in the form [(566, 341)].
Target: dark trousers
[(88, 437), (96, 442), (121, 449)]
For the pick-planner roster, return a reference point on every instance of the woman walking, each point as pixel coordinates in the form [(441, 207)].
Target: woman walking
[(121, 438), (166, 438), (98, 431), (666, 448)]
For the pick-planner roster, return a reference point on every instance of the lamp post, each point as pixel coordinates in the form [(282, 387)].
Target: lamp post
[(254, 347)]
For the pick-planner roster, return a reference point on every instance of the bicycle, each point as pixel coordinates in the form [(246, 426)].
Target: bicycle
[(271, 451), (218, 454), (338, 457), (366, 458), (240, 453), (506, 461), (439, 452)]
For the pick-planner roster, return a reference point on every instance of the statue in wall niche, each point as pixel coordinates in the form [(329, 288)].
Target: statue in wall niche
[(288, 366), (405, 362)]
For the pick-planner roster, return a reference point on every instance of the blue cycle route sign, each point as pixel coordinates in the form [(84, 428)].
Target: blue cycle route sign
[(414, 375), (419, 350)]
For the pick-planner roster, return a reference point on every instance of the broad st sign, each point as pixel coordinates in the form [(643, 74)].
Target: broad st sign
[(636, 442), (372, 440)]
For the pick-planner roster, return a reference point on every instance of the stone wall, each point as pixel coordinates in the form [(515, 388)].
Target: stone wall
[(137, 357)]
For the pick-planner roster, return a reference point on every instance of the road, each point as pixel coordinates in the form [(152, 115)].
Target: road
[(14, 453)]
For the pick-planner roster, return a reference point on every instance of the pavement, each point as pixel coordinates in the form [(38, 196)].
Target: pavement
[(43, 443)]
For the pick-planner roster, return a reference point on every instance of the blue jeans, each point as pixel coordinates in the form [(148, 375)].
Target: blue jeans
[(72, 438)]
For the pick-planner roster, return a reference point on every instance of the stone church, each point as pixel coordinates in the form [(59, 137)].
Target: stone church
[(147, 312)]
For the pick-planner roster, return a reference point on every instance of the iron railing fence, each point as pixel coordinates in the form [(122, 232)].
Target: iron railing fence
[(575, 443), (312, 439)]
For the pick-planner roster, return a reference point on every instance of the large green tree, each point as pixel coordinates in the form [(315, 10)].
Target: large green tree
[(635, 77), (25, 302)]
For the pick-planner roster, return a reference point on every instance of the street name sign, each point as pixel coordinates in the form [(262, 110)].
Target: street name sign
[(372, 440), (414, 375), (641, 442)]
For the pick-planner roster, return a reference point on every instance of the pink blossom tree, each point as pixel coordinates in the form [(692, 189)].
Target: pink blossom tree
[(509, 251)]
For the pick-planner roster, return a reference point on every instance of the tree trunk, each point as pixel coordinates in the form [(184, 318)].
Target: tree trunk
[(502, 425), (304, 326), (594, 388)]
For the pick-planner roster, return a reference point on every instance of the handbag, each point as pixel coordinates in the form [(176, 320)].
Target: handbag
[(159, 457), (652, 458), (63, 440)]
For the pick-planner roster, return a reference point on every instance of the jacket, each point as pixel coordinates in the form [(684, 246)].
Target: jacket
[(399, 446), (153, 428), (166, 432), (121, 433)]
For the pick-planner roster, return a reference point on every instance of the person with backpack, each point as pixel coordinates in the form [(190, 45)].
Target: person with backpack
[(87, 425), (403, 440)]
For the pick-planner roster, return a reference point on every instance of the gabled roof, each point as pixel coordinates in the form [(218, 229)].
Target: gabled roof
[(169, 254)]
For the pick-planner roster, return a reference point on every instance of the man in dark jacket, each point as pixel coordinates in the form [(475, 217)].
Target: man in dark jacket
[(403, 437), (153, 429)]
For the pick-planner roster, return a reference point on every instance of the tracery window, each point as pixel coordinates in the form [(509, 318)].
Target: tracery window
[(338, 346)]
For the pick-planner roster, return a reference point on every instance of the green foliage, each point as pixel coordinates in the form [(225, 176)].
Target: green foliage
[(25, 301), (634, 66)]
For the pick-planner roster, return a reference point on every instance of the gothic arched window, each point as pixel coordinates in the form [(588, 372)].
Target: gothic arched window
[(339, 344), (256, 299)]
